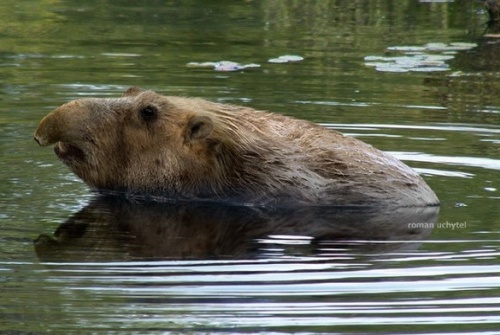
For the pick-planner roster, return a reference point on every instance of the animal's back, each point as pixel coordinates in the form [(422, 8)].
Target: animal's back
[(347, 171)]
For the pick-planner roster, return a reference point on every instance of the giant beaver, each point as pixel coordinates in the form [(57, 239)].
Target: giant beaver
[(187, 148)]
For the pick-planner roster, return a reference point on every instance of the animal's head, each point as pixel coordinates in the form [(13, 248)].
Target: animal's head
[(141, 142)]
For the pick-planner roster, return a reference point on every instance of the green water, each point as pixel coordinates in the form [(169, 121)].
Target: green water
[(121, 268)]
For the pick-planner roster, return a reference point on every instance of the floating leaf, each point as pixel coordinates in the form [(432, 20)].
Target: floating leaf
[(439, 57), (431, 62), (375, 58), (246, 66), (430, 57), (277, 60), (375, 64), (464, 45), (429, 69), (205, 64), (292, 58), (227, 66), (435, 46), (457, 46), (408, 61), (224, 66), (386, 68), (409, 48), (286, 59)]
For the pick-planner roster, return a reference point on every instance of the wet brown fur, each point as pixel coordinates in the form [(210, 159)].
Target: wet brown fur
[(196, 149)]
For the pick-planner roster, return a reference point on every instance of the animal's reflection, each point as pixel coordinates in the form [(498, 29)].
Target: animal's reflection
[(112, 228)]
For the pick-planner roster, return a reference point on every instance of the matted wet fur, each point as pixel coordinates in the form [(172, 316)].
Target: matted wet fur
[(189, 148)]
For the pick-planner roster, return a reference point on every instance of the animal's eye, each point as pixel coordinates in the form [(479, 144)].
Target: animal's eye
[(149, 113)]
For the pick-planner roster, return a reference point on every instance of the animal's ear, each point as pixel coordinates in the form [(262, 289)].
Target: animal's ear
[(132, 92), (199, 128)]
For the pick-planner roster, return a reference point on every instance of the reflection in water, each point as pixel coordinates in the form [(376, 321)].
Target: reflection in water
[(111, 228), (471, 90)]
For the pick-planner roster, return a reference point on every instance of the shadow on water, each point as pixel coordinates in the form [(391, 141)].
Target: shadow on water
[(111, 228)]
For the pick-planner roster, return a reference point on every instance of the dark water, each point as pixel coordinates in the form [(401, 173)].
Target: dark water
[(103, 266)]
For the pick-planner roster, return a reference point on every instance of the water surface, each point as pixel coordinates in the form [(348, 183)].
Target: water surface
[(72, 262)]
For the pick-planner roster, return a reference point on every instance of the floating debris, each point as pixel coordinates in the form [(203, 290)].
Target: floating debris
[(430, 57), (229, 66), (459, 46), (409, 48), (286, 59), (119, 54), (224, 66), (430, 69)]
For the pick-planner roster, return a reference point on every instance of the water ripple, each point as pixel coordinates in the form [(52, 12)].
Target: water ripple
[(485, 163), (444, 127)]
